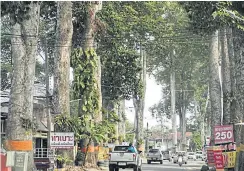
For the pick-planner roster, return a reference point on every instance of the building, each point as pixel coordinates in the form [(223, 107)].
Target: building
[(156, 140), (39, 115)]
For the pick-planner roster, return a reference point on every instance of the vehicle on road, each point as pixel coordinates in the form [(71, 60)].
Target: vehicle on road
[(166, 155), (191, 156), (200, 155), (176, 156), (121, 157), (180, 160), (154, 155)]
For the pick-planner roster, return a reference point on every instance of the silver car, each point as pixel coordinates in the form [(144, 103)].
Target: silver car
[(155, 155), (191, 156)]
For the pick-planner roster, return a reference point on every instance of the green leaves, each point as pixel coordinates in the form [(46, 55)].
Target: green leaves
[(84, 63)]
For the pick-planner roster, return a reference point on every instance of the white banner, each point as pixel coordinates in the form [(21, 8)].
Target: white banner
[(62, 140)]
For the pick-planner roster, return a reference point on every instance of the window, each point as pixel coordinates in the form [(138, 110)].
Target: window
[(154, 151), (121, 148)]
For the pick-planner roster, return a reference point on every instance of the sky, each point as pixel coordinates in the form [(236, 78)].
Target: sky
[(153, 96)]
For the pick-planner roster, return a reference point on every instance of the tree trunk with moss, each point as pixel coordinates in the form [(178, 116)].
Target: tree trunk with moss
[(24, 51), (89, 44)]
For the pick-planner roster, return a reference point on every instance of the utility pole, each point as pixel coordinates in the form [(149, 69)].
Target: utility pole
[(172, 88), (47, 96)]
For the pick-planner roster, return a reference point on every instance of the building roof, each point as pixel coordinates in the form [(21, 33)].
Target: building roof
[(39, 91)]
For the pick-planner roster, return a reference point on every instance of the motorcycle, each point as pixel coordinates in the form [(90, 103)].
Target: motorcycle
[(180, 161)]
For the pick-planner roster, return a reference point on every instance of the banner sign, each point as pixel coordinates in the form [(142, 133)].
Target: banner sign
[(219, 159), (210, 157), (103, 153), (229, 159), (62, 140), (223, 134)]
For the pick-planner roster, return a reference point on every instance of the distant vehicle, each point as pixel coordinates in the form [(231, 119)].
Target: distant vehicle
[(180, 160), (200, 155), (154, 155), (176, 155), (191, 156), (120, 157), (166, 155)]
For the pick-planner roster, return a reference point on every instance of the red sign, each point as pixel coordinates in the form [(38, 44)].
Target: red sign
[(223, 134), (219, 159), (210, 156)]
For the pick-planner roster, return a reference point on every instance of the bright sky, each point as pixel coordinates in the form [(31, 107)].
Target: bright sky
[(153, 96)]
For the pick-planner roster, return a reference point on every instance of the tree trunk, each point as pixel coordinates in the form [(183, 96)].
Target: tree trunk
[(226, 80), (139, 102), (62, 58), (144, 78), (214, 84), (89, 35), (62, 64), (89, 44), (184, 122), (121, 118), (172, 104), (232, 74), (239, 116), (24, 52)]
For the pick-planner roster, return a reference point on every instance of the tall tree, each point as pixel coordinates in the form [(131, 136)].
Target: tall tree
[(226, 77), (62, 58), (24, 51), (62, 54)]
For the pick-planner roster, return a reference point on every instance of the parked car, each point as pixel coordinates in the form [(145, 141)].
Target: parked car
[(167, 155), (200, 155), (175, 156), (154, 155), (191, 156), (120, 157)]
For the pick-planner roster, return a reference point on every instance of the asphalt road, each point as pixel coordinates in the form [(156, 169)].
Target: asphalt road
[(169, 166)]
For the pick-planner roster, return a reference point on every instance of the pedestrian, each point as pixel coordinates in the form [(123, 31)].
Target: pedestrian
[(131, 148), (204, 168)]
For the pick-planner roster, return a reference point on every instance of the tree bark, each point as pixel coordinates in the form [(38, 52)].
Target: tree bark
[(62, 58), (88, 44), (89, 35), (226, 80), (232, 74), (24, 52), (239, 116), (214, 84), (62, 64)]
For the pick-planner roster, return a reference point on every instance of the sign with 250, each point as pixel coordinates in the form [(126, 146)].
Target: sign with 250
[(223, 134)]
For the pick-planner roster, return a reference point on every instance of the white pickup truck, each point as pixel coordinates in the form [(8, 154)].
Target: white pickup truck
[(120, 157)]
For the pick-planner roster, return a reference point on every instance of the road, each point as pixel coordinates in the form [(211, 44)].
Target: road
[(169, 166)]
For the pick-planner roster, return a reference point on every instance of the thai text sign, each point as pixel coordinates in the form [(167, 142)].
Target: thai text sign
[(62, 140), (210, 156), (223, 134), (229, 159), (219, 159)]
